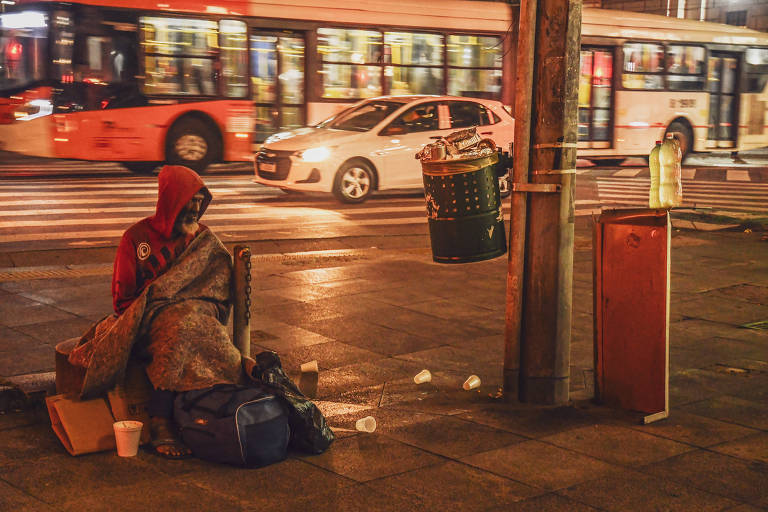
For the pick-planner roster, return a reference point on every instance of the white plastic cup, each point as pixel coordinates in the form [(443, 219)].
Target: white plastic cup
[(367, 424), (310, 367), (472, 382), (127, 436), (422, 377)]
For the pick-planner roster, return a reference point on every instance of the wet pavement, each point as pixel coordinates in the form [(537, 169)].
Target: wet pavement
[(373, 317)]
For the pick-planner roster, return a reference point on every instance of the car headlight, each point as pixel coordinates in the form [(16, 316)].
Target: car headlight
[(33, 109), (315, 154)]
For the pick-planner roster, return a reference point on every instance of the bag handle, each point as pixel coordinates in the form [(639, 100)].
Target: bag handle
[(188, 403)]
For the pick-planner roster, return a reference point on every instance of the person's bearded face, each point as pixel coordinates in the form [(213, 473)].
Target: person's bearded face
[(186, 221)]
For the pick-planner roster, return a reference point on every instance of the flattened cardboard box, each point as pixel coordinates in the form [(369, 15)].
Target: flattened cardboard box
[(129, 400), (82, 426)]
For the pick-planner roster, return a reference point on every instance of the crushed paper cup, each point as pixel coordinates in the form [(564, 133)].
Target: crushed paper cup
[(310, 367), (472, 382), (422, 377), (367, 424)]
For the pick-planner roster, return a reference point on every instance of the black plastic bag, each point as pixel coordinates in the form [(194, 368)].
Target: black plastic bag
[(309, 430)]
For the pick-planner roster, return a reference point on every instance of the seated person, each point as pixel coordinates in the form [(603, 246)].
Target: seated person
[(171, 296), (181, 272)]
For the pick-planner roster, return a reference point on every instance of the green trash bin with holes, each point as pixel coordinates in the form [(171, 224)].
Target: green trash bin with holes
[(464, 209)]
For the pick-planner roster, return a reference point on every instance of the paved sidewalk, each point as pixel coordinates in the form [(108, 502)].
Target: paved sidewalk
[(373, 318)]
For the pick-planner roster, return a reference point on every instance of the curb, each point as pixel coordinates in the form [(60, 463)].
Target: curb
[(717, 220)]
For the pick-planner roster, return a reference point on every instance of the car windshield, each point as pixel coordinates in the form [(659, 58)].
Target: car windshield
[(22, 48), (363, 117)]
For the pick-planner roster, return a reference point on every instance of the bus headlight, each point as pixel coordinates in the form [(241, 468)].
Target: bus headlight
[(33, 109), (315, 154)]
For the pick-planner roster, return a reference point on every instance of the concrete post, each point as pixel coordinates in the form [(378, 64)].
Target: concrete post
[(538, 327)]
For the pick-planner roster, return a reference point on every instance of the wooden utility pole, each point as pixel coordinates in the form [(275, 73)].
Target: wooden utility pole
[(540, 273)]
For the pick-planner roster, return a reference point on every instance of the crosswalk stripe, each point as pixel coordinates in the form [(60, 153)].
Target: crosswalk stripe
[(736, 175), (628, 172)]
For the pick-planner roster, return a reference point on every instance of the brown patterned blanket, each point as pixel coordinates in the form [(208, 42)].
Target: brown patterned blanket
[(177, 327)]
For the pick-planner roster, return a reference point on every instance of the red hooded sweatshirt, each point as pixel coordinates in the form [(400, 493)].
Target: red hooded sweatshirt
[(148, 247)]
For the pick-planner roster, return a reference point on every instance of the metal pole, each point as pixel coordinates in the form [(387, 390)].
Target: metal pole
[(519, 200), (547, 281), (241, 299)]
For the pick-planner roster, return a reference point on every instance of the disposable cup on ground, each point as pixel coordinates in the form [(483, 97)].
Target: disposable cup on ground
[(367, 424), (310, 367), (422, 377), (127, 437), (472, 382)]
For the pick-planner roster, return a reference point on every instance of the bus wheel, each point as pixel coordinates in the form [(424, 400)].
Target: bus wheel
[(191, 144), (353, 182), (140, 167), (683, 134)]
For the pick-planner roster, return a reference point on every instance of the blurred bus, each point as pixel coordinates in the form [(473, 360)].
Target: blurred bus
[(194, 83), (643, 76)]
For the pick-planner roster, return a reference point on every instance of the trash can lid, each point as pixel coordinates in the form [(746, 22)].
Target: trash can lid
[(458, 165)]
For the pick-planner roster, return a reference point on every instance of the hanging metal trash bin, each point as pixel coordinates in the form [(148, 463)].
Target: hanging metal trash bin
[(464, 208)]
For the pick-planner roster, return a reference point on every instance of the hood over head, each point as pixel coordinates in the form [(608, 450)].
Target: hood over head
[(176, 185)]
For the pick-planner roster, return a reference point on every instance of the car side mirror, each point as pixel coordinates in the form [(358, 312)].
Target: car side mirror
[(395, 130)]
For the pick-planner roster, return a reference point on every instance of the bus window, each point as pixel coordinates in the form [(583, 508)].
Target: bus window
[(22, 48), (234, 58), (465, 55), (351, 62), (685, 68), (643, 65), (179, 55), (756, 69), (416, 63), (595, 94)]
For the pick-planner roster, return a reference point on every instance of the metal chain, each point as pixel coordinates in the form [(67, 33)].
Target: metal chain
[(246, 254)]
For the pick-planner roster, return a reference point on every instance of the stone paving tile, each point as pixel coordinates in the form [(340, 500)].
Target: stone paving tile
[(35, 358), (454, 437), (694, 429), (262, 488), (346, 378), (689, 332), (732, 409), (368, 457), (331, 354), (454, 486), (16, 310), (297, 313), (694, 385), (281, 337), (530, 422), (456, 360), (541, 465), (729, 312), (19, 501), (546, 503), (92, 474), (304, 293), (712, 351), (355, 498), (617, 445), (372, 337), (428, 326), (753, 447), (633, 491), (159, 494), (56, 331), (718, 474), (96, 292), (31, 442)]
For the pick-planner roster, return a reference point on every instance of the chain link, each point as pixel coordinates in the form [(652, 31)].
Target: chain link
[(246, 254)]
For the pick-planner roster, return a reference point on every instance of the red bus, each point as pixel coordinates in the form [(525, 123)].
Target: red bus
[(130, 85)]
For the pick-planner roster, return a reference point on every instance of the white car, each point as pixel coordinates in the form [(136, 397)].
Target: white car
[(372, 144)]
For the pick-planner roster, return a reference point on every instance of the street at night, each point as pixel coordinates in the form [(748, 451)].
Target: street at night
[(468, 255)]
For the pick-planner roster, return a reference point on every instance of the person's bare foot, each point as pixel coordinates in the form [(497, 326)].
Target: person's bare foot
[(165, 441)]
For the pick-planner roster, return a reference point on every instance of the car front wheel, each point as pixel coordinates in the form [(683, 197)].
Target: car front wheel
[(354, 182)]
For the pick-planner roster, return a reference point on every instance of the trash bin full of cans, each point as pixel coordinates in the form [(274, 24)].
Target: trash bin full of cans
[(461, 189)]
